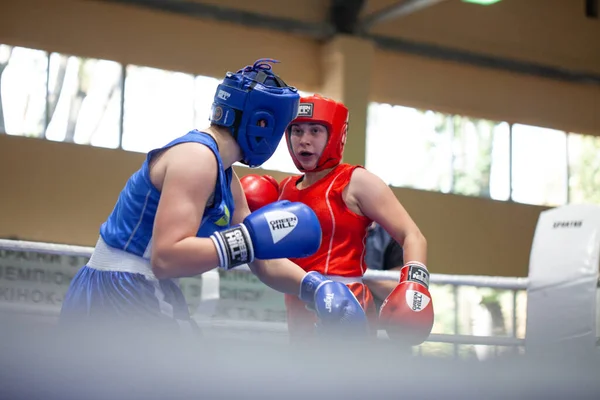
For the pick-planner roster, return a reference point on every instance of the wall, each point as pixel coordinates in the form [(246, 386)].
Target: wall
[(454, 88), (550, 32), (161, 40), (470, 235)]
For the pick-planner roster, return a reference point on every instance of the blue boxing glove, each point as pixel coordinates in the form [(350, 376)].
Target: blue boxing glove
[(336, 306), (278, 230)]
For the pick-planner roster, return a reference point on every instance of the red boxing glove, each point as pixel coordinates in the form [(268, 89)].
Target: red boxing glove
[(407, 313), (259, 190)]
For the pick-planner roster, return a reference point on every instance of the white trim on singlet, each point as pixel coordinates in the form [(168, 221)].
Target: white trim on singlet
[(283, 188), (148, 250), (364, 250), (139, 221)]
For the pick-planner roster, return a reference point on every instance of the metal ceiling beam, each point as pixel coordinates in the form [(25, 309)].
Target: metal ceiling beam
[(485, 61), (399, 9), (591, 8), (223, 14), (325, 31)]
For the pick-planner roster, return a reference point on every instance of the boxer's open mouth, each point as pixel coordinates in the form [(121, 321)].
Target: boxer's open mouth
[(305, 153)]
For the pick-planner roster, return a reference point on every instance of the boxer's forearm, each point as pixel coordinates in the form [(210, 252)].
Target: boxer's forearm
[(279, 274), (381, 289), (415, 247), (188, 257)]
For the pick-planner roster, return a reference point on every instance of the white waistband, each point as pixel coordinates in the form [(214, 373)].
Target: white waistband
[(346, 280), (108, 258)]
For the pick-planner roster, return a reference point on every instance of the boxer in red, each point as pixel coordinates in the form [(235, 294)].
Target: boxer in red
[(347, 199)]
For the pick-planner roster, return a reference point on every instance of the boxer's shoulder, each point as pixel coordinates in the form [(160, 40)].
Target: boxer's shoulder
[(189, 159), (364, 181)]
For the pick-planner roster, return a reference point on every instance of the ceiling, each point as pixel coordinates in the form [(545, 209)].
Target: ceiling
[(554, 39)]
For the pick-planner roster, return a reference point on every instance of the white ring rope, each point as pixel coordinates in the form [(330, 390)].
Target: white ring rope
[(281, 328), (46, 248), (506, 283), (496, 282)]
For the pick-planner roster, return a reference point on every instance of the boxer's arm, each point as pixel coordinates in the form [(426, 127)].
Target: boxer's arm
[(187, 175), (337, 308), (381, 289), (279, 274), (377, 201)]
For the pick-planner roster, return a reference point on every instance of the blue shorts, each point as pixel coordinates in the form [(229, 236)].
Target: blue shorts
[(101, 294)]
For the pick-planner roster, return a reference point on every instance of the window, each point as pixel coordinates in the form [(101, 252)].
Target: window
[(81, 100), (23, 75), (159, 107), (584, 169), (281, 160), (84, 101), (204, 94), (434, 151), (409, 147), (539, 165), (481, 156)]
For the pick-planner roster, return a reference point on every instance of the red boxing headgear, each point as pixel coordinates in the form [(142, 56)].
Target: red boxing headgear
[(334, 116)]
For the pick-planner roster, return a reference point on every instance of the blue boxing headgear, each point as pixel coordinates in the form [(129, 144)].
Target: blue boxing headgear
[(251, 95)]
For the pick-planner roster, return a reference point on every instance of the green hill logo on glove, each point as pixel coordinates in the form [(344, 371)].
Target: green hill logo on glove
[(281, 223)]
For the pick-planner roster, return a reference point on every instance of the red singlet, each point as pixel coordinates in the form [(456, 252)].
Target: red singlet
[(341, 255)]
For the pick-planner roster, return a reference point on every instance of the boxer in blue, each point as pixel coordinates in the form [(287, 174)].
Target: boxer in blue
[(184, 213)]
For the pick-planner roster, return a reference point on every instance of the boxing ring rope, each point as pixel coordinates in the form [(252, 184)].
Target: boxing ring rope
[(281, 327), (494, 282), (46, 248), (514, 284), (506, 283)]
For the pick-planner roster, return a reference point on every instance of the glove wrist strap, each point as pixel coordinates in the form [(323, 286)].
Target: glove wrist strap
[(309, 285), (234, 246), (414, 271)]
